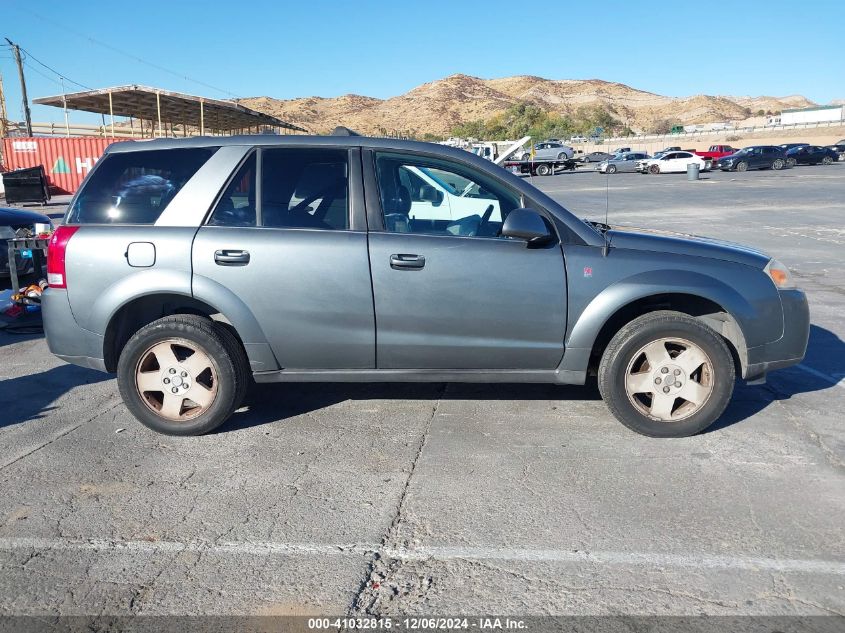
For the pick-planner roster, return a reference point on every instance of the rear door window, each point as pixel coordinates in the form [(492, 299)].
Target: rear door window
[(305, 188), (136, 187)]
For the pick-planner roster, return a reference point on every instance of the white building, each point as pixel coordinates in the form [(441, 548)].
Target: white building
[(816, 114)]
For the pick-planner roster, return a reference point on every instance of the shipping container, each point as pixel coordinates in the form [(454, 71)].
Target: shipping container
[(66, 160)]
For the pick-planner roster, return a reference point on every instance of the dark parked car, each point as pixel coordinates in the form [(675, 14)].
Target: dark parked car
[(839, 148), (788, 146), (754, 157), (19, 223), (331, 259), (811, 155)]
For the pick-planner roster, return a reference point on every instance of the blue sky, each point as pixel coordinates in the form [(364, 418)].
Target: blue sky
[(291, 49)]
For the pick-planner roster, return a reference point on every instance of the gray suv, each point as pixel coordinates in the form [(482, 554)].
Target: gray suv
[(191, 267)]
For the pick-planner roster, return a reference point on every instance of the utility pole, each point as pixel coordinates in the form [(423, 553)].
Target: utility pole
[(26, 113), (3, 120)]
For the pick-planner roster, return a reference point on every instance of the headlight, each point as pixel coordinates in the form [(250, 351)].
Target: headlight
[(779, 274)]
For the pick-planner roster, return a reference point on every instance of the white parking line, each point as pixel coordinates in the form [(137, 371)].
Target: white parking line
[(633, 559), (836, 382), (261, 548)]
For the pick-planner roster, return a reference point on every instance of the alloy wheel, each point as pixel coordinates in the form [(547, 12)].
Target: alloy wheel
[(176, 379), (669, 379)]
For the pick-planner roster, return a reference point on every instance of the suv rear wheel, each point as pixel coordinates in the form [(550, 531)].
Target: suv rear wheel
[(182, 375), (666, 374)]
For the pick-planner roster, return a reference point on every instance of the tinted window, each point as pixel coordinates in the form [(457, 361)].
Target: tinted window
[(304, 188), (441, 198), (236, 206), (136, 187)]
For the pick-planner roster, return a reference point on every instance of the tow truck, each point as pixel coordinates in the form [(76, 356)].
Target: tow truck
[(541, 166)]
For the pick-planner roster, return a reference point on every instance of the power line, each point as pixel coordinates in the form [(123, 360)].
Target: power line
[(126, 54), (52, 70), (38, 72)]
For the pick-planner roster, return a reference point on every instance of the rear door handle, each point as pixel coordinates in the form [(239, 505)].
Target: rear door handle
[(402, 261), (231, 258)]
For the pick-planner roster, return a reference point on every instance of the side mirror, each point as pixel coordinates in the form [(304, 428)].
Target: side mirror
[(528, 225), (430, 194)]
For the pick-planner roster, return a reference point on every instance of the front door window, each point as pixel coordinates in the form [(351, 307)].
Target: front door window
[(440, 198)]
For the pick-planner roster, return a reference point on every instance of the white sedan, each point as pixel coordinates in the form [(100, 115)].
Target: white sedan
[(670, 162)]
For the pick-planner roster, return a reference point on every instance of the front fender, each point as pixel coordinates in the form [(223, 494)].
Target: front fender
[(752, 304)]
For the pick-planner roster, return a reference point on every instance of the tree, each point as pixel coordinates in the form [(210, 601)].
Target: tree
[(525, 119), (664, 126)]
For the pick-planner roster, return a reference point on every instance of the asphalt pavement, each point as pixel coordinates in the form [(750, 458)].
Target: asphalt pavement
[(452, 499)]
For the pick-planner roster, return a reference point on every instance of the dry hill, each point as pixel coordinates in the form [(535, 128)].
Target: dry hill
[(437, 107)]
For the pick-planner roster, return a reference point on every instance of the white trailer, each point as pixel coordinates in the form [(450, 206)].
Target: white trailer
[(816, 114)]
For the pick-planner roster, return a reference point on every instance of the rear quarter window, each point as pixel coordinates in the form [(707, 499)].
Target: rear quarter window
[(136, 187)]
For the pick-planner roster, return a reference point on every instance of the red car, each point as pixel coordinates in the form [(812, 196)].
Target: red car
[(716, 152)]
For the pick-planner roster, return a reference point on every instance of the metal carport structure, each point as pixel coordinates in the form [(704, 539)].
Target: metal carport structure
[(161, 107)]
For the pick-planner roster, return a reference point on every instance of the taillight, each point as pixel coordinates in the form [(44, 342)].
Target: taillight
[(56, 277)]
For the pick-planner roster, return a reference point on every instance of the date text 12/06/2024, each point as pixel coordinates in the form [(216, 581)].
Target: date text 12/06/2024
[(418, 623)]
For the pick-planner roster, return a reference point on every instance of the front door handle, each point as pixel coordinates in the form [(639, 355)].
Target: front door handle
[(231, 258), (404, 262)]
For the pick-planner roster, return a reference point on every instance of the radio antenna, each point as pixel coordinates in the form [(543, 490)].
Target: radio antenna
[(606, 246)]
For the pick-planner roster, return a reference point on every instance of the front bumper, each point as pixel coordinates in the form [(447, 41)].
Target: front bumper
[(790, 348)]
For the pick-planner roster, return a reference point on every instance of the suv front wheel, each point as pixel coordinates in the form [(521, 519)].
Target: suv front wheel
[(666, 374), (182, 375)]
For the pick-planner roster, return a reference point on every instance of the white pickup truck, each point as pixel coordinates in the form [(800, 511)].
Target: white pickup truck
[(438, 195)]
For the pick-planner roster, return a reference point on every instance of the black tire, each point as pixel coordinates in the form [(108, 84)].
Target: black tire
[(562, 156), (791, 162), (611, 169), (827, 160), (742, 166), (654, 169), (778, 164), (543, 170), (643, 330), (226, 356), (586, 159)]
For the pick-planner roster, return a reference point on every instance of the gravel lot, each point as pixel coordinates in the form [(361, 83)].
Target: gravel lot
[(448, 499)]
